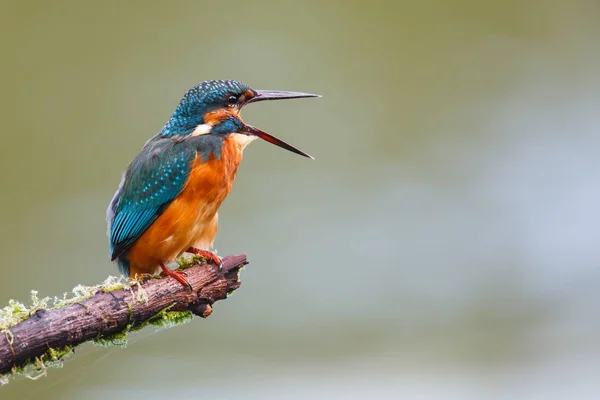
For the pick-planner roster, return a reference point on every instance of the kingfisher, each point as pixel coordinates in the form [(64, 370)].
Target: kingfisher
[(168, 200)]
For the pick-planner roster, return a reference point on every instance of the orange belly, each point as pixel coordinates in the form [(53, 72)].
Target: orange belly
[(191, 219)]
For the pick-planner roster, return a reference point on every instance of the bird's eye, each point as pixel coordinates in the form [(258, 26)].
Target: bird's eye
[(232, 101)]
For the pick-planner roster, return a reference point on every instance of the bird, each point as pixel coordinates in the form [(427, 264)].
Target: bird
[(168, 200)]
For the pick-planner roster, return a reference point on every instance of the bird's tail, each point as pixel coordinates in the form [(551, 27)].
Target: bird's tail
[(124, 264)]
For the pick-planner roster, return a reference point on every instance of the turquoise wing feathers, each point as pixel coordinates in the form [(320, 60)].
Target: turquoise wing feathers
[(152, 181)]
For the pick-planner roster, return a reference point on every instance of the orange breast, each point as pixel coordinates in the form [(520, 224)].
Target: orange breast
[(191, 219)]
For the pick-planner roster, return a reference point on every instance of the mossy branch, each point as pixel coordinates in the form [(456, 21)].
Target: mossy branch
[(33, 338)]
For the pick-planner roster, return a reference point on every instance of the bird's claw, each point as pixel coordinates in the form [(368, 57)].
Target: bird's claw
[(182, 277), (178, 275), (208, 255)]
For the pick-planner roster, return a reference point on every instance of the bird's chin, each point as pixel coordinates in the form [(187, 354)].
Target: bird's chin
[(242, 139)]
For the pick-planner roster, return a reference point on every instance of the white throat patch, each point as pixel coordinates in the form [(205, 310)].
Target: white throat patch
[(242, 140), (239, 138)]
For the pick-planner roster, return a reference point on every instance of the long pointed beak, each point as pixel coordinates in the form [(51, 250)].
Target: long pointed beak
[(251, 130), (262, 95)]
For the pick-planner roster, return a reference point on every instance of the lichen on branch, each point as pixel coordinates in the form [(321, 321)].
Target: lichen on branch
[(42, 334)]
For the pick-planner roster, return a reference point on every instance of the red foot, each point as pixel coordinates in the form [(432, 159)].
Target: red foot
[(209, 255), (179, 275)]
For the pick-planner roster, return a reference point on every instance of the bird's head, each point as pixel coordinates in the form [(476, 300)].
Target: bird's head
[(213, 108)]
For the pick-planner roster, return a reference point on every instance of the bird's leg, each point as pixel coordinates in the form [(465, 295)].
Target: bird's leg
[(209, 255), (178, 275)]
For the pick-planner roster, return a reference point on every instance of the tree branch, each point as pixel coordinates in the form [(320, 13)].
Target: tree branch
[(107, 316)]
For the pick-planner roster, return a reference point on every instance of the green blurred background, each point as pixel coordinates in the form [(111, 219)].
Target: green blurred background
[(443, 245)]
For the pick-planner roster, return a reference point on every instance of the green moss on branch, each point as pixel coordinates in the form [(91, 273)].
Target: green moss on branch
[(42, 334)]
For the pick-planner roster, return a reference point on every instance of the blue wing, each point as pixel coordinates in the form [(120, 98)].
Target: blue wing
[(154, 178)]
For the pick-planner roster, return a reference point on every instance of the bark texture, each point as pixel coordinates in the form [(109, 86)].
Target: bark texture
[(108, 313)]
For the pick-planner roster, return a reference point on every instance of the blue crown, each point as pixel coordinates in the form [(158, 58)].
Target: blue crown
[(202, 98)]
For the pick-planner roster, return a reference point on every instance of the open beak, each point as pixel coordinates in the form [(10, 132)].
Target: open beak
[(262, 95), (251, 130)]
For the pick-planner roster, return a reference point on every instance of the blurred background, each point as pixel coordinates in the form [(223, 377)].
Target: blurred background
[(443, 244)]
